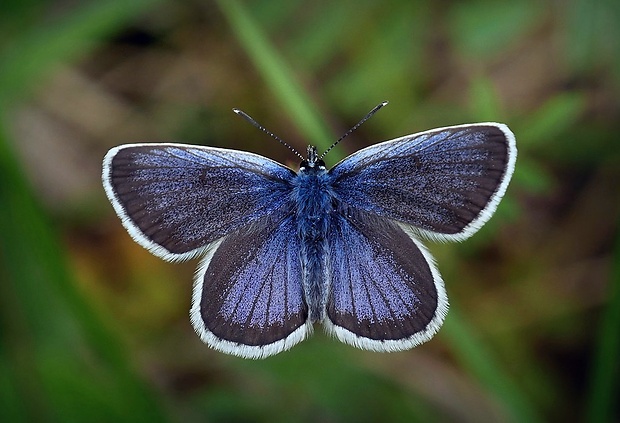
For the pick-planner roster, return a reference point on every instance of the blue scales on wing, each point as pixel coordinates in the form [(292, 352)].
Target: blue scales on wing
[(248, 297), (176, 199), (446, 182), (234, 207), (282, 250), (385, 292)]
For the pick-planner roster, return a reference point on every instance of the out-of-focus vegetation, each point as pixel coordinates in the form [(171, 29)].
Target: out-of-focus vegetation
[(93, 328)]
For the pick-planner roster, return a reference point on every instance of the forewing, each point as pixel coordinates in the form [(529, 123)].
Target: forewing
[(385, 292), (248, 297), (174, 199), (445, 182)]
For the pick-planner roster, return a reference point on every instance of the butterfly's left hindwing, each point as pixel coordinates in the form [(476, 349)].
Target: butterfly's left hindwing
[(248, 297), (175, 199)]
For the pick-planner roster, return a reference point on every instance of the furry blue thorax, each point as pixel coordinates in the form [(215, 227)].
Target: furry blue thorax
[(313, 198)]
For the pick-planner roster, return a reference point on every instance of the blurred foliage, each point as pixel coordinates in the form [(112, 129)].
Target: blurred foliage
[(92, 328)]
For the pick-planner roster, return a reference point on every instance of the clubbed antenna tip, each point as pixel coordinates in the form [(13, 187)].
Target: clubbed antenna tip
[(364, 119), (266, 131)]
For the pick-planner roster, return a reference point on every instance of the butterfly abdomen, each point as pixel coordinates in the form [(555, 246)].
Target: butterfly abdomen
[(313, 201)]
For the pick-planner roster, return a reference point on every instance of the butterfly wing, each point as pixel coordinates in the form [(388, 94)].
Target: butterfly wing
[(175, 199), (248, 297), (446, 183), (179, 201), (385, 292)]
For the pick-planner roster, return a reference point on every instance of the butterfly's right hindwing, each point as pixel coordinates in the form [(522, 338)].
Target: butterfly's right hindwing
[(385, 291), (175, 199)]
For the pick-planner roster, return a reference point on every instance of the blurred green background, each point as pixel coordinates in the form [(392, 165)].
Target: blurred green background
[(94, 328)]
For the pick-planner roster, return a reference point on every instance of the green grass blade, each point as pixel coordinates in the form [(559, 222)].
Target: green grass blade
[(277, 74), (33, 54), (62, 363), (604, 383), (480, 363)]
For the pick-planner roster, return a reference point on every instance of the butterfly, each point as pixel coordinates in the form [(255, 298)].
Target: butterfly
[(282, 250)]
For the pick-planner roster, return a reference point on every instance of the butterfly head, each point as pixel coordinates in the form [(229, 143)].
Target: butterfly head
[(313, 161)]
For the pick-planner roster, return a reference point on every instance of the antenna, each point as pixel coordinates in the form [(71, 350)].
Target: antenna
[(266, 131), (368, 115)]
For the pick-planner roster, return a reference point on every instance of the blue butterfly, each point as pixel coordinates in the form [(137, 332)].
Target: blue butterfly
[(283, 249)]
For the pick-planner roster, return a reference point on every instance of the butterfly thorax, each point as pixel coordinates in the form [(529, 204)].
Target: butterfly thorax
[(313, 198)]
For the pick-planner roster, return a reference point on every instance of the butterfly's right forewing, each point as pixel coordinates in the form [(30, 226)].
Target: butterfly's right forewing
[(175, 199), (445, 183)]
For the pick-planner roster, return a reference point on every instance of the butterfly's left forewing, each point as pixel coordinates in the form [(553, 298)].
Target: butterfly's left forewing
[(175, 199)]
